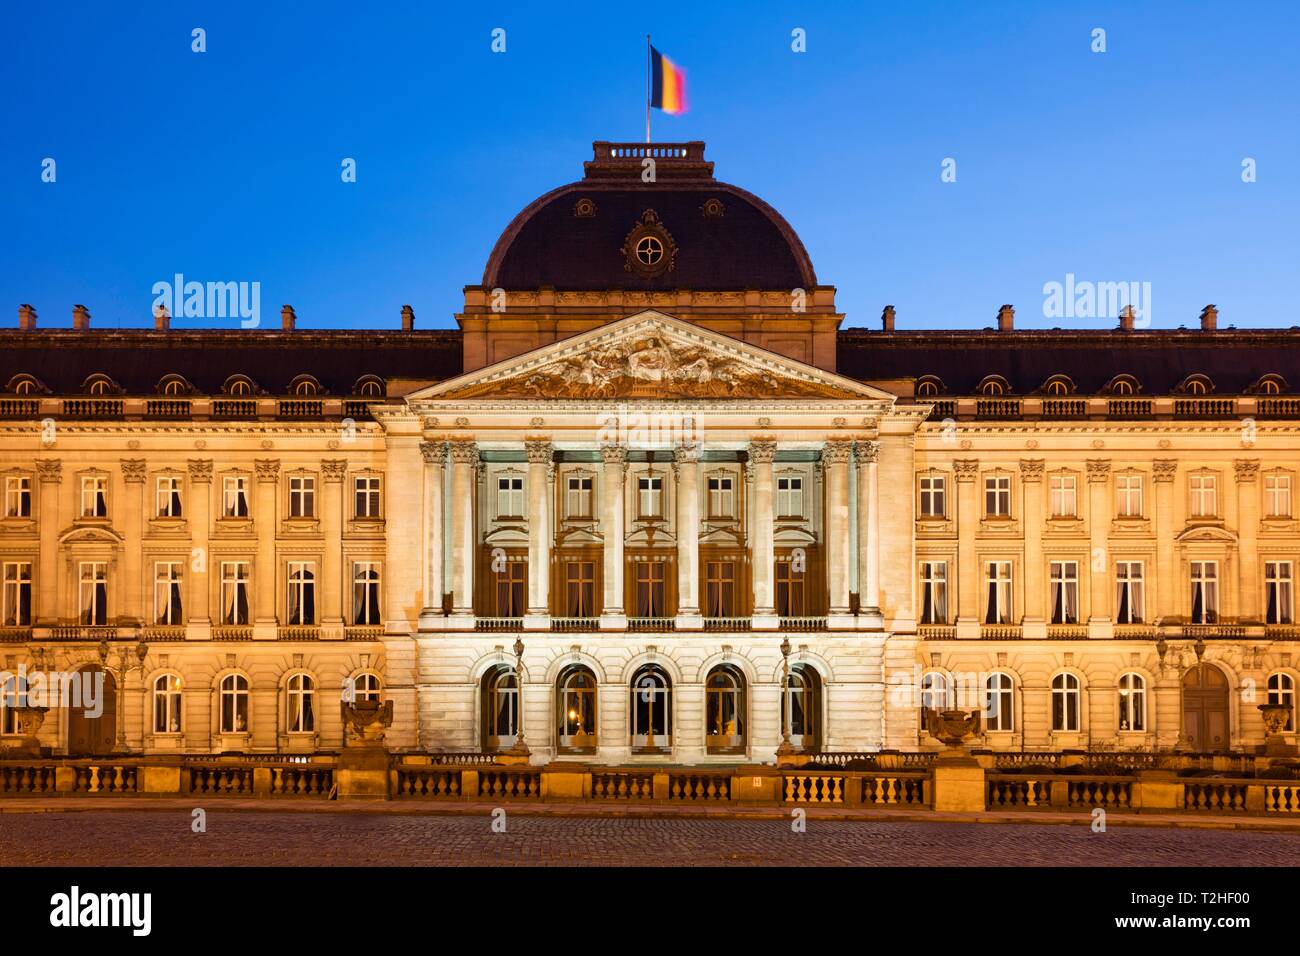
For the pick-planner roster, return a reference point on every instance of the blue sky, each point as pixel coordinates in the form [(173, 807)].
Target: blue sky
[(225, 165)]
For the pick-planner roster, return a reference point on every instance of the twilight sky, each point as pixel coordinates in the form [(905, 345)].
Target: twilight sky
[(1119, 166)]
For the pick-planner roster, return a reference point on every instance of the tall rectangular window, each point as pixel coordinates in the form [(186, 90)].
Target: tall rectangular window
[(580, 589), (1128, 496), (997, 587), (365, 496), (94, 496), (720, 588), (93, 593), (234, 497), (791, 590), (1065, 591), (789, 497), (18, 497), (365, 592), (934, 494), (234, 592), (578, 497), (1277, 496), (650, 589), (302, 592), (1205, 592), (510, 496), (1063, 496), (650, 497), (16, 601), (1277, 587), (167, 593), (1130, 598), (302, 496), (1205, 496), (168, 497), (997, 496), (934, 592), (722, 497)]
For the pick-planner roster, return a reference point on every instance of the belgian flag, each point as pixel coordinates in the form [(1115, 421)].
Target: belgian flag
[(667, 84)]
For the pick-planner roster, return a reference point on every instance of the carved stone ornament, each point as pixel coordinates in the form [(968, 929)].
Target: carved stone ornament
[(614, 454), (1164, 469), (49, 469), (836, 452), (268, 469), (585, 208), (1275, 717), (966, 469), (1031, 469), (434, 452), (951, 727), (868, 451), (200, 469), (1247, 469), (334, 469), (762, 451), (1098, 469), (464, 451), (648, 250), (540, 451), (134, 469), (366, 721)]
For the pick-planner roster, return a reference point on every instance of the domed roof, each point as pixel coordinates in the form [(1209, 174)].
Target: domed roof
[(686, 230)]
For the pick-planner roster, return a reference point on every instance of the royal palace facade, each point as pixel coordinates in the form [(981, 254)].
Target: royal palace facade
[(650, 503)]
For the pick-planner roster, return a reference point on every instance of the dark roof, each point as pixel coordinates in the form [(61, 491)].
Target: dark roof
[(137, 359), (1160, 359), (749, 246)]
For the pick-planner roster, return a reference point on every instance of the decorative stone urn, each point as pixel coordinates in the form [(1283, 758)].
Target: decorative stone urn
[(1275, 718), (28, 720), (957, 778), (952, 727), (362, 771), (365, 722)]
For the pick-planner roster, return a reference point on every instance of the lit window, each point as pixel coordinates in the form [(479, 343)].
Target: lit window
[(167, 704), (93, 593), (1277, 496), (997, 585), (365, 592), (302, 496), (1065, 703), (1063, 496), (234, 592), (724, 710), (302, 592), (234, 497), (997, 496), (1281, 690), (722, 500), (365, 490), (1205, 592), (934, 491), (1065, 592), (301, 704), (18, 497), (94, 496), (578, 502), (234, 704), (1128, 494), (934, 592), (1132, 702), (999, 703), (650, 497), (167, 608), (1277, 588), (1205, 496), (168, 499), (1130, 600), (16, 600)]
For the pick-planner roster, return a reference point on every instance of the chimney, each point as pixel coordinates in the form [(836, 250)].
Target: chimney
[(1126, 319), (1006, 318), (408, 318), (80, 318), (26, 318), (161, 320), (887, 318), (1209, 318), (288, 318)]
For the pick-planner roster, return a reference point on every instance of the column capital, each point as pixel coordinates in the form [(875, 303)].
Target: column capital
[(49, 469), (1163, 469), (268, 469), (1247, 469), (614, 454), (966, 469), (836, 451), (687, 452), (464, 451), (868, 450), (1098, 469), (1031, 469), (334, 469), (433, 452), (762, 451), (133, 470), (200, 469), (540, 451)]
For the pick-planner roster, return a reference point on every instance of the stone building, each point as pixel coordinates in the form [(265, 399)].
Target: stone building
[(651, 457)]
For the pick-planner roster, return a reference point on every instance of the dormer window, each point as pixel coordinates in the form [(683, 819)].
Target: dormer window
[(369, 386), (1271, 384), (304, 386), (99, 385), (994, 386), (1058, 386), (928, 387), (1196, 385), (25, 385), (1123, 385), (237, 386)]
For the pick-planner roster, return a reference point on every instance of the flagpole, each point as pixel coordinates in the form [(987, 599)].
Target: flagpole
[(647, 88)]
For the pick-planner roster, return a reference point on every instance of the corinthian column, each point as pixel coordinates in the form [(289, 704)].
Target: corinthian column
[(1099, 562), (333, 471), (762, 452), (686, 469), (612, 615), (968, 522), (869, 533), (1249, 606), (199, 619), (541, 457), (434, 454), (265, 578), (133, 475), (835, 462), (464, 465)]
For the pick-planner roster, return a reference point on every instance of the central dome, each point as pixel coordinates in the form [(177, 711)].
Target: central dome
[(685, 230)]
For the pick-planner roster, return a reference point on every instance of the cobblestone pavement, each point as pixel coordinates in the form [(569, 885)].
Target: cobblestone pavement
[(164, 838)]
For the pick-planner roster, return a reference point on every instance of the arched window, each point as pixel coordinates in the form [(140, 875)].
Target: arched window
[(173, 385), (24, 385), (652, 710), (577, 717), (304, 386), (364, 686), (1271, 384), (369, 386), (167, 704), (1123, 387), (935, 693), (237, 386), (999, 703), (1197, 385), (928, 387), (98, 385), (802, 708), (1058, 385), (993, 386), (500, 708), (724, 710), (300, 706), (234, 704), (1132, 703), (1065, 703), (1281, 690), (12, 695)]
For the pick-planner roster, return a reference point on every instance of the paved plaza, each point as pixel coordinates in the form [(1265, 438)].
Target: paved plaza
[(163, 837)]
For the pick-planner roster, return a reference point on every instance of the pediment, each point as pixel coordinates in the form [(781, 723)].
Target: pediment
[(1206, 533), (654, 356)]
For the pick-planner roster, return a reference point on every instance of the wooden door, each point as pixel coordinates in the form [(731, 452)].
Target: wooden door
[(88, 735), (1205, 708)]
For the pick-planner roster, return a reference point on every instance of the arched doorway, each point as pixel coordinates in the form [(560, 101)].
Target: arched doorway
[(1205, 708), (89, 734)]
